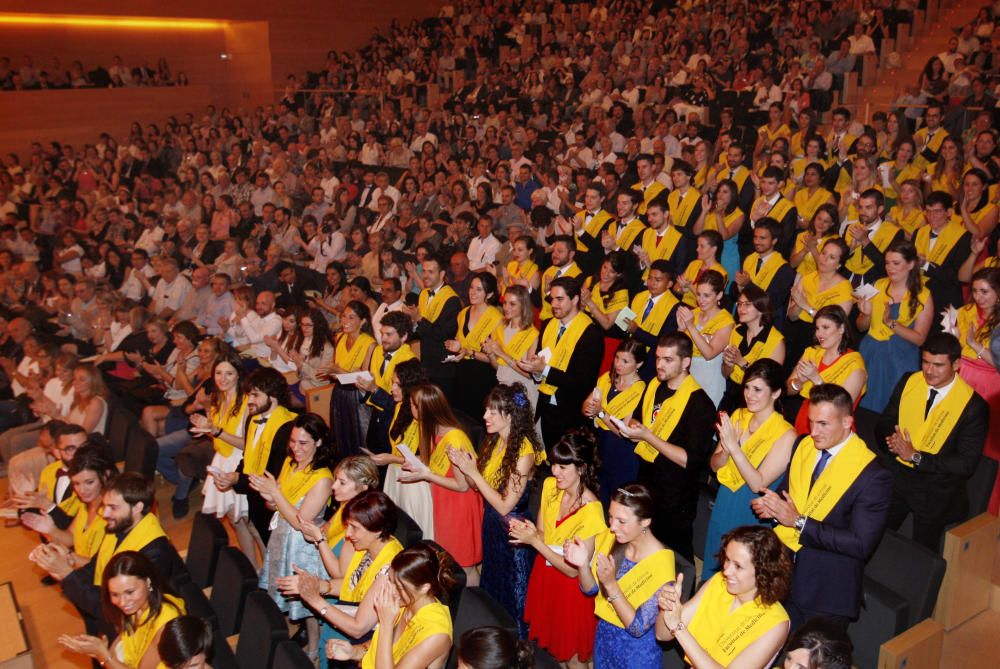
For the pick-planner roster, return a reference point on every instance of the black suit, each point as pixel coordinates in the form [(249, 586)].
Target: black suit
[(432, 337), (877, 258), (257, 509), (572, 385), (829, 568), (935, 491), (648, 368), (942, 280), (293, 296)]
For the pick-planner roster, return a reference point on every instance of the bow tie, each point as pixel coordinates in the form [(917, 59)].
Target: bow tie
[(260, 421), (61, 472)]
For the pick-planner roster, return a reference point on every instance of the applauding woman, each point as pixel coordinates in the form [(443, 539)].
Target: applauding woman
[(813, 291), (353, 352), (736, 619), (755, 337), (515, 337), (709, 326), (629, 569), (476, 323)]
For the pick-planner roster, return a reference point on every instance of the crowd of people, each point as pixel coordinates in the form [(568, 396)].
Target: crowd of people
[(29, 77), (537, 314)]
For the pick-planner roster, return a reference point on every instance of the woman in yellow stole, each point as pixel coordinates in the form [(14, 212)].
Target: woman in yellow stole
[(515, 337), (143, 604), (822, 226), (735, 618), (814, 290), (723, 215), (709, 326), (521, 270), (894, 174), (561, 618), (476, 323), (414, 626), (301, 490), (754, 337), (352, 353), (626, 569), (811, 195), (603, 296), (755, 445), (708, 249), (908, 212)]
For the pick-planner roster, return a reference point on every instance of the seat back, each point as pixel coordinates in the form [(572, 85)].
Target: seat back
[(478, 609), (222, 654), (141, 453), (910, 570), (208, 537), (706, 502), (262, 629), (235, 578), (980, 485), (543, 660), (407, 531), (289, 655), (197, 603), (120, 422)]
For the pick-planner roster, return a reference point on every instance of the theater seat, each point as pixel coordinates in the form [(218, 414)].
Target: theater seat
[(478, 609), (262, 629), (706, 502), (235, 578), (288, 655), (141, 453), (197, 603), (208, 537), (120, 423), (222, 654), (407, 531), (980, 486)]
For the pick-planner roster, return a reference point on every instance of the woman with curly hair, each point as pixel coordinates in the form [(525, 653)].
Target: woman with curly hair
[(735, 618), (502, 475)]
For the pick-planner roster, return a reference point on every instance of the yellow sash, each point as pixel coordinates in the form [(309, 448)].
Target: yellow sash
[(47, 481), (721, 320), (929, 434), (573, 270), (667, 418), (381, 561), (657, 315), (807, 204), (756, 447), (724, 632), (351, 359), (910, 222), (858, 263), (519, 270), (950, 234), (768, 270), (295, 485), (770, 135), (592, 228), (431, 309), (682, 207), (562, 350), (665, 249), (335, 531), (616, 301), (837, 477), (838, 293), (137, 642), (760, 348), (968, 319), (87, 538), (808, 263), (491, 471), (648, 195), (624, 402), (878, 329), (694, 268), (920, 138), (255, 456), (712, 221), (231, 423), (520, 343), (145, 532), (837, 373), (455, 438), (410, 437), (639, 584), (384, 379), (625, 236), (486, 324), (430, 619), (585, 522)]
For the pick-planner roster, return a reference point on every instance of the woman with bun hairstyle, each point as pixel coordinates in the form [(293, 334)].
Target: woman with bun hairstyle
[(494, 648), (819, 644), (559, 616)]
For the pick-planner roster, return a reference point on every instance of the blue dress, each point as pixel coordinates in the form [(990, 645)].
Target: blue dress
[(887, 362), (506, 568), (285, 548), (732, 509), (633, 647), (730, 259), (619, 463)]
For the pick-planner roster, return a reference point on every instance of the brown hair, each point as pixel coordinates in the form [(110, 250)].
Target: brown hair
[(434, 412), (771, 563), (424, 564), (374, 511)]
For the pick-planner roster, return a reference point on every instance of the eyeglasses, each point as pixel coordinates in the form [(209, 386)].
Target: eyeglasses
[(742, 303)]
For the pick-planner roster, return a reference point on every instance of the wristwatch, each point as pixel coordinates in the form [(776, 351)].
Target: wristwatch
[(916, 458), (800, 524)]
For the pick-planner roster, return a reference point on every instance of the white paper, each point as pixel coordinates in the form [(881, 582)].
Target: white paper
[(92, 358), (546, 355), (410, 457), (616, 421), (625, 318), (949, 321), (452, 358), (866, 291), (352, 377)]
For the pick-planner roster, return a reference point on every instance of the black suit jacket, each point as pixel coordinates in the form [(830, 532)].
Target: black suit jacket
[(257, 509), (942, 280), (286, 297), (829, 567), (580, 377), (873, 253), (433, 335)]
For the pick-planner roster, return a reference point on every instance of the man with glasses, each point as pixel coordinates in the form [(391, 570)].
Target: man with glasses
[(54, 485), (943, 246)]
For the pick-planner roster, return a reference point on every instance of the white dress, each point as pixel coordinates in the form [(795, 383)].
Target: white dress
[(225, 503), (413, 498)]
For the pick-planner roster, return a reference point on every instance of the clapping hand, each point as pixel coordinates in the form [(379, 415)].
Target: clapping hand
[(606, 570), (266, 485), (900, 443), (200, 424), (532, 364), (729, 437), (669, 601), (387, 604), (86, 644), (38, 522), (523, 532), (575, 552), (771, 505), (339, 650), (464, 461), (685, 317), (312, 532), (412, 474), (636, 431)]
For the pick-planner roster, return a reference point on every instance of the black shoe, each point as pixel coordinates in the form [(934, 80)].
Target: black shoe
[(48, 580), (180, 507)]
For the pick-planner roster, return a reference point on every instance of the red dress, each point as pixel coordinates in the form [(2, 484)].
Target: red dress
[(458, 523), (802, 417)]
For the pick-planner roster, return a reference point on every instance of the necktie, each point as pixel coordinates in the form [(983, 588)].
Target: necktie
[(385, 363), (649, 308), (562, 330), (824, 457), (732, 175), (930, 401), (760, 263)]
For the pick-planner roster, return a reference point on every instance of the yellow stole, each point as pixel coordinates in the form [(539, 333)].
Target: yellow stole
[(778, 210), (351, 359), (838, 293), (759, 349), (724, 632), (625, 236), (548, 276), (411, 435), (431, 309), (562, 350), (712, 221), (770, 135), (624, 402), (929, 434), (47, 481), (335, 530), (881, 302), (897, 177), (949, 236), (486, 324), (665, 249), (520, 343), (968, 319), (384, 379), (808, 263), (756, 447), (858, 262), (694, 268), (648, 195), (255, 455), (720, 320), (491, 470), (521, 270), (592, 228), (638, 585), (920, 137), (837, 477), (682, 207), (354, 595), (145, 532), (909, 222), (455, 438), (768, 270), (295, 484), (657, 315), (137, 642), (585, 522), (807, 204), (837, 373), (430, 619), (231, 423), (666, 420), (87, 538), (616, 301)]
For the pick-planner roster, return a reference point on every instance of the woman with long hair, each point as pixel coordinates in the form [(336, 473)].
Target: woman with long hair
[(945, 174), (521, 270), (863, 178), (314, 351), (89, 408), (494, 648), (138, 603), (823, 225), (754, 337), (560, 617), (301, 491), (502, 475), (979, 215), (893, 174), (178, 378), (755, 446), (626, 568), (736, 617), (908, 211), (709, 326), (603, 296), (708, 248), (414, 624), (476, 323), (515, 337), (814, 290), (897, 320), (722, 213), (352, 353), (830, 360), (618, 393)]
